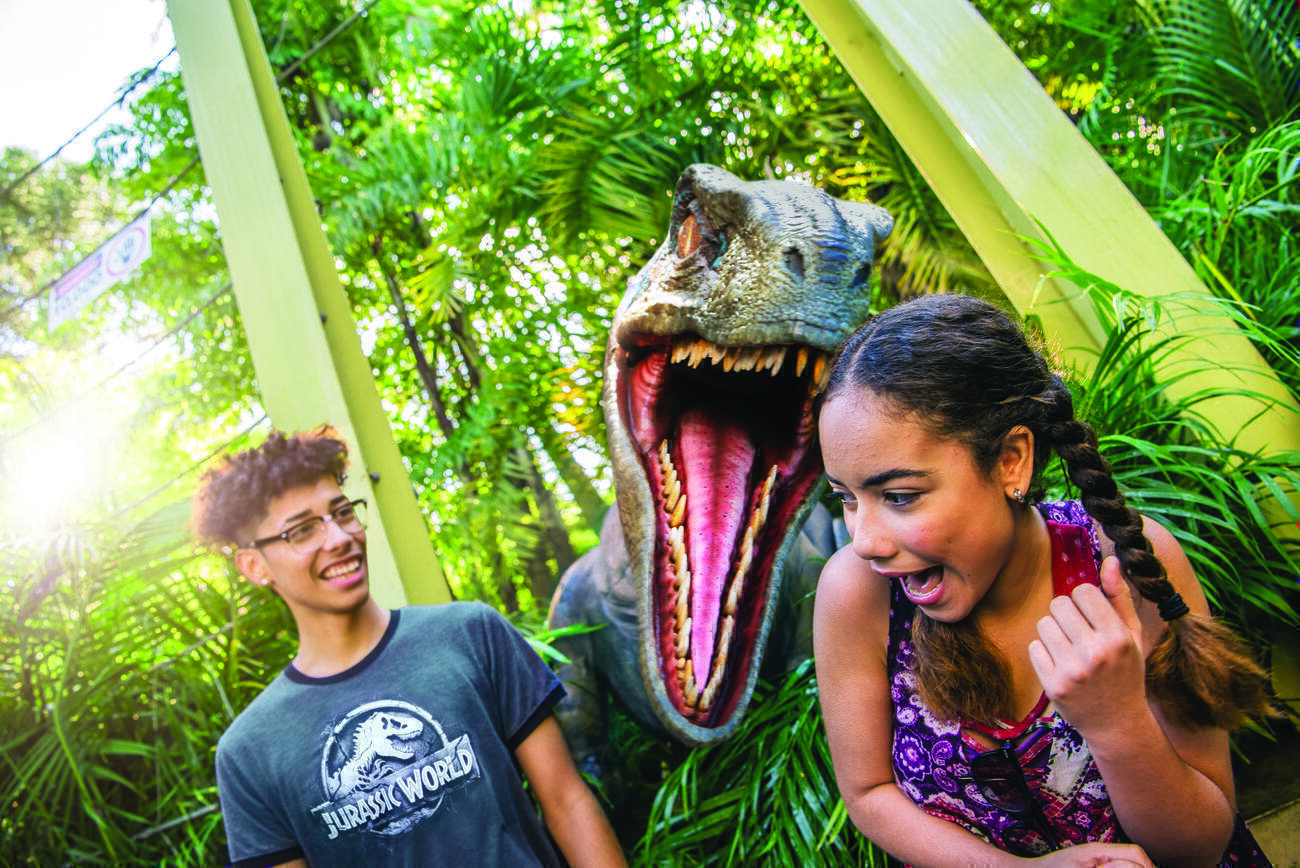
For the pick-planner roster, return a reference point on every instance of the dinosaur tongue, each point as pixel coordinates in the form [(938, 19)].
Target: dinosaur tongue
[(717, 456)]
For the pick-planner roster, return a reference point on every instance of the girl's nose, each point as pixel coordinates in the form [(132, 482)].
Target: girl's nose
[(870, 539)]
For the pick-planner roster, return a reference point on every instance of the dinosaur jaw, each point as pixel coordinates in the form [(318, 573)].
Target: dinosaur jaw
[(724, 442)]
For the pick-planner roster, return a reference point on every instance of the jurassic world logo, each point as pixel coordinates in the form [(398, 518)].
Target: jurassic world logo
[(386, 768)]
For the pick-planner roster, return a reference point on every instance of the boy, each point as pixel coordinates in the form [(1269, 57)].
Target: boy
[(393, 737)]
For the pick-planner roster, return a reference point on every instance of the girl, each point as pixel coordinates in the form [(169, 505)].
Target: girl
[(1002, 679)]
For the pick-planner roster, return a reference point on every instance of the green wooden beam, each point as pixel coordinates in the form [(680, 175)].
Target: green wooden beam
[(305, 349), (1000, 155)]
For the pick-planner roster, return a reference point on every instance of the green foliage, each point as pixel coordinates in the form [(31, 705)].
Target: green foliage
[(1236, 225), (1176, 468), (489, 178), (123, 656), (765, 796), (1229, 64)]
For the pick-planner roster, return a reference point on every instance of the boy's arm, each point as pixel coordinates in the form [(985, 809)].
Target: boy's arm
[(570, 810)]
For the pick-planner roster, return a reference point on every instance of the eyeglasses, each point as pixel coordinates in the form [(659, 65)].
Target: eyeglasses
[(1002, 782), (309, 535)]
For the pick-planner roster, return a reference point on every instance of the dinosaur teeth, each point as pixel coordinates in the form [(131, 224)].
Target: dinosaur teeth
[(719, 665), (683, 642), (690, 691), (729, 359), (766, 503), (820, 374), (672, 491), (694, 351), (774, 358), (679, 512), (697, 353)]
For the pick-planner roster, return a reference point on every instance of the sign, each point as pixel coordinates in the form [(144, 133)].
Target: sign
[(114, 260)]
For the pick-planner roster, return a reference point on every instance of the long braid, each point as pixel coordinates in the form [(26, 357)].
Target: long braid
[(1199, 671)]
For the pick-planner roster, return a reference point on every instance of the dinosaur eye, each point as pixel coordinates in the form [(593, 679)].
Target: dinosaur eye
[(689, 238)]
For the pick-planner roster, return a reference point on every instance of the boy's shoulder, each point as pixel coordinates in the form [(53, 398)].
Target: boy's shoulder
[(274, 703), (457, 615)]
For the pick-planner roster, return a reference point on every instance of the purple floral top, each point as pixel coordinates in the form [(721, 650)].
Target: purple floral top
[(932, 756)]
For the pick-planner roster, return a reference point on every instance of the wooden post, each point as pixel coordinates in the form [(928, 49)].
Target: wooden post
[(303, 340), (1001, 156)]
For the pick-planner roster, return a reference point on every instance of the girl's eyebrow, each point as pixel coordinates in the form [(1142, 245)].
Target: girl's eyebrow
[(886, 476)]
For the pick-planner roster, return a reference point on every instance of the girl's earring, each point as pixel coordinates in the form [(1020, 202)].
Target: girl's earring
[(1019, 496)]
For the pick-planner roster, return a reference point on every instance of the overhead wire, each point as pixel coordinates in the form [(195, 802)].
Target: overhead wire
[(140, 79), (45, 287), (10, 435), (324, 41), (280, 77), (193, 467)]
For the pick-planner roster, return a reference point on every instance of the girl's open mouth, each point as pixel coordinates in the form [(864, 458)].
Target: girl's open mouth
[(924, 587)]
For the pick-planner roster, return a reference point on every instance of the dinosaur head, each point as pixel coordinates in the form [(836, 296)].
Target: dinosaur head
[(718, 352), (384, 732)]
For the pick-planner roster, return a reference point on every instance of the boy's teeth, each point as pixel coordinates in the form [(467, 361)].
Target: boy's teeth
[(340, 570)]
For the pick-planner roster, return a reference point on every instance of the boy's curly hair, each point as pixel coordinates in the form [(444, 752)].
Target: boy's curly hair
[(234, 496)]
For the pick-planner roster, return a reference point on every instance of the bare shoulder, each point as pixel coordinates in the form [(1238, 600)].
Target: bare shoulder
[(850, 646), (852, 606), (1177, 566), (849, 586)]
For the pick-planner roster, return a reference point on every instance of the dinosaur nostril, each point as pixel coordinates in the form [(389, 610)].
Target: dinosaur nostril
[(794, 261), (689, 238)]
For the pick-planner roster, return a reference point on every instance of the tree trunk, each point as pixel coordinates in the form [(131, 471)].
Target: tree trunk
[(427, 375), (575, 477), (557, 535), (467, 350)]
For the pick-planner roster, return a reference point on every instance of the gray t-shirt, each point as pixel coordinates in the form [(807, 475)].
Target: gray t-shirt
[(404, 759)]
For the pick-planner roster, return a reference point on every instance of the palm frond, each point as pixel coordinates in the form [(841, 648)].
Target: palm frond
[(766, 796), (1231, 64)]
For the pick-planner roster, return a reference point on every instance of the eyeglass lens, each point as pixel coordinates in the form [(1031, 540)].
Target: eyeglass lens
[(310, 534)]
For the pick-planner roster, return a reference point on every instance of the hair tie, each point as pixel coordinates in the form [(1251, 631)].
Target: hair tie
[(1172, 608)]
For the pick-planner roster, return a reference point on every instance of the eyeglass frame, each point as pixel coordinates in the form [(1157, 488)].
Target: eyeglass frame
[(283, 536), (983, 777)]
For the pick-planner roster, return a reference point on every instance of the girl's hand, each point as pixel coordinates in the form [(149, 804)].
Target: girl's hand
[(1089, 656), (1096, 855)]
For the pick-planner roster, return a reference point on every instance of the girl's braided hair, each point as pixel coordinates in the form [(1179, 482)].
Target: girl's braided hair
[(964, 370), (234, 496)]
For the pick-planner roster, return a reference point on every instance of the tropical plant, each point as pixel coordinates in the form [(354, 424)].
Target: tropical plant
[(489, 177), (124, 655), (1172, 464), (765, 796)]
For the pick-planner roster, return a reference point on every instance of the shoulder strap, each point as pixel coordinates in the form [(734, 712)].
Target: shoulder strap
[(1073, 560)]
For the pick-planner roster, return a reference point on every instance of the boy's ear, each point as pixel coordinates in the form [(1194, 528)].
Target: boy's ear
[(252, 566), (1016, 463)]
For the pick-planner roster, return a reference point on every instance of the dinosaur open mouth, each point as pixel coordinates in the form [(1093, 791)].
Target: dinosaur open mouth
[(726, 438)]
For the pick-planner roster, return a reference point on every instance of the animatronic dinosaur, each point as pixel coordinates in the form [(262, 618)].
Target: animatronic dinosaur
[(717, 352)]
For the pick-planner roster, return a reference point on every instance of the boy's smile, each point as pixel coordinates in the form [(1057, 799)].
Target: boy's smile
[(330, 579)]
